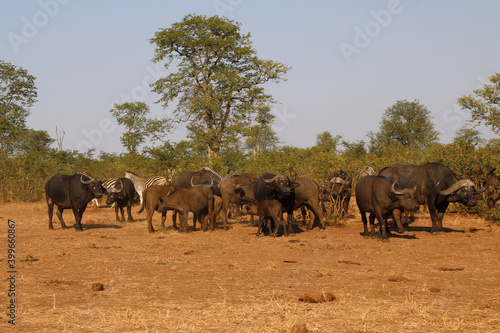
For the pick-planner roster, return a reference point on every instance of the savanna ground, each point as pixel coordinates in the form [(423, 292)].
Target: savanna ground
[(232, 281)]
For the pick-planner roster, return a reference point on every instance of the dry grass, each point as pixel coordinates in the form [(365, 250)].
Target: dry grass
[(231, 281)]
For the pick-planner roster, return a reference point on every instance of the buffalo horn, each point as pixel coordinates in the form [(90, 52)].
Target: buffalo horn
[(116, 190), (393, 189), (85, 182), (270, 180), (207, 185), (456, 186)]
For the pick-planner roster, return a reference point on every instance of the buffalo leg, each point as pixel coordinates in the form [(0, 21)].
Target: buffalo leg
[(174, 220), (59, 214), (225, 209), (197, 217), (117, 217), (318, 216), (163, 218), (441, 209), (277, 222), (78, 218), (397, 216), (150, 220), (372, 226), (122, 212), (260, 227), (365, 225), (50, 205), (184, 221), (382, 225), (129, 212)]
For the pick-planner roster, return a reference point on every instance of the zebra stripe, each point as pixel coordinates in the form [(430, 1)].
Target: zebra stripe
[(140, 184)]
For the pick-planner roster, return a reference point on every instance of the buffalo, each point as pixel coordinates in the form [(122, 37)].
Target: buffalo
[(307, 194), (436, 186), (378, 196), (150, 202), (122, 194), (230, 195), (71, 192), (198, 200), (206, 175), (270, 186), (269, 212)]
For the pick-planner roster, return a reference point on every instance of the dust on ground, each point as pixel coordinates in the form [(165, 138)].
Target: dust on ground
[(233, 281)]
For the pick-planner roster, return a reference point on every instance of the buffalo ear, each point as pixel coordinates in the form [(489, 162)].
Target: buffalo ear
[(294, 184), (270, 185)]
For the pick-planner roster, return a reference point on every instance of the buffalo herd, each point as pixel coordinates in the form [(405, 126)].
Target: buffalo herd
[(394, 191)]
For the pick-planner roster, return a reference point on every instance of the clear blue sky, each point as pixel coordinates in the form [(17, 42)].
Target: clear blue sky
[(351, 60)]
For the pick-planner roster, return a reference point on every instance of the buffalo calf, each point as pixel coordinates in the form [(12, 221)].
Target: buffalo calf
[(269, 212)]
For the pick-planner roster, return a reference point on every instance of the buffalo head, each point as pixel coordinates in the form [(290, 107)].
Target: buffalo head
[(406, 197), (462, 191), (93, 185), (114, 192), (281, 184)]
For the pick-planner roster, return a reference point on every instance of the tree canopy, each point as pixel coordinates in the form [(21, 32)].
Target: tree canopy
[(406, 124), (132, 115), (485, 104), (17, 94), (218, 82)]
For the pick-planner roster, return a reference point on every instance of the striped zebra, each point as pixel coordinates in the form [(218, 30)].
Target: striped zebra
[(140, 184)]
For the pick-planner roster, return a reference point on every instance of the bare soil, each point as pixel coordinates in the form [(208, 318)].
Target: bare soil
[(116, 277)]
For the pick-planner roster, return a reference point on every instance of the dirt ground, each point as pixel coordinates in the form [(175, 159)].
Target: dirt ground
[(233, 281)]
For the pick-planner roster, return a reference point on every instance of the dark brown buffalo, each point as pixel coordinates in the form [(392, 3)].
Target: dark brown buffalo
[(378, 196), (436, 186), (122, 193), (271, 186), (269, 212), (150, 201), (230, 196), (308, 195), (71, 192), (492, 183), (205, 176), (198, 200)]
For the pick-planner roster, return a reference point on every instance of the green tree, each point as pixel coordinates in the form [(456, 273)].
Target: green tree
[(406, 124), (484, 105), (327, 143), (133, 115), (261, 136), (219, 78), (468, 138), (17, 95)]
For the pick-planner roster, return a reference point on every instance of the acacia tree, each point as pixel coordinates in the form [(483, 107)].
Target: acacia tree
[(133, 115), (218, 82), (407, 124), (485, 105), (17, 94)]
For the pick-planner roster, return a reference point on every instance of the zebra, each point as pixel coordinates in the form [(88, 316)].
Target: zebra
[(140, 184)]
